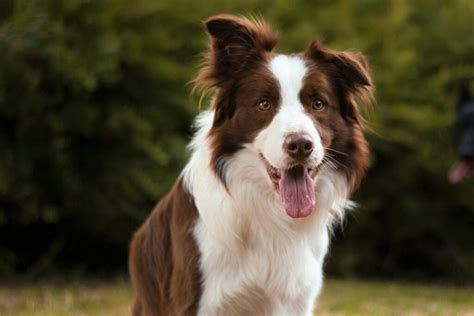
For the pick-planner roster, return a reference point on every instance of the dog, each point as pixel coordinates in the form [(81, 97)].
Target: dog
[(275, 158)]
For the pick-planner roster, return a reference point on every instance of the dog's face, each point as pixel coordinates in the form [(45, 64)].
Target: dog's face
[(295, 112)]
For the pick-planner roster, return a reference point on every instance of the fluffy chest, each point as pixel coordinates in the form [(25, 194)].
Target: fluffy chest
[(279, 274)]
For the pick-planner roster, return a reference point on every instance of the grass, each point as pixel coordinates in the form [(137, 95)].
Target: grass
[(387, 299), (339, 297)]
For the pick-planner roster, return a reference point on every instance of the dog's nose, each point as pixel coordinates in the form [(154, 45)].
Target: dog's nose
[(298, 146)]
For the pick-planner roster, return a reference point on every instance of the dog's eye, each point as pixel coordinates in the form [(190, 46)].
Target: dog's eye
[(264, 105), (317, 104)]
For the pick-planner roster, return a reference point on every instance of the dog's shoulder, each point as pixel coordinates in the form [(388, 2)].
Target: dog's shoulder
[(164, 257)]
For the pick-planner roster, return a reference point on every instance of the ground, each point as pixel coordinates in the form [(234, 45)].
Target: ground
[(339, 297)]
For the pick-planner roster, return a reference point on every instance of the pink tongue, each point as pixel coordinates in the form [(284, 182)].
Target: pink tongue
[(297, 192)]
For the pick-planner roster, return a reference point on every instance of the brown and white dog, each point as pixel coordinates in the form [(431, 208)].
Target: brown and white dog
[(244, 230)]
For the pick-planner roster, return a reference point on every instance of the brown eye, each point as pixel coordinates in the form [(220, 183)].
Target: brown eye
[(264, 105), (317, 104)]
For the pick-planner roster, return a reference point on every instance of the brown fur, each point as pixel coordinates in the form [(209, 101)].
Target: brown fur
[(235, 44), (164, 258), (243, 125), (339, 78), (234, 69)]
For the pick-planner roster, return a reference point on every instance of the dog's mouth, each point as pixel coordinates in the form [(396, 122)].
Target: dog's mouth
[(295, 186)]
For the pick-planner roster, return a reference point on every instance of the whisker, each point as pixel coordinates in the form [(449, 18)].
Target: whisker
[(337, 151), (330, 158), (327, 162)]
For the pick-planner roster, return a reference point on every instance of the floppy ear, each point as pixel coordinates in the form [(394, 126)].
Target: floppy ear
[(349, 72), (235, 44)]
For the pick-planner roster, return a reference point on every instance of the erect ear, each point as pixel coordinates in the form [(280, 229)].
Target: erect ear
[(235, 44), (349, 71)]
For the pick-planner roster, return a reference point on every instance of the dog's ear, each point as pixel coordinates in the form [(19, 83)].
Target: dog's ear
[(235, 44), (349, 72)]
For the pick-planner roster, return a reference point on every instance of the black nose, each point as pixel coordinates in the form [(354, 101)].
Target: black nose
[(298, 146)]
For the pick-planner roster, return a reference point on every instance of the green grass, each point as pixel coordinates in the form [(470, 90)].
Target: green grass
[(387, 298), (338, 298), (78, 298)]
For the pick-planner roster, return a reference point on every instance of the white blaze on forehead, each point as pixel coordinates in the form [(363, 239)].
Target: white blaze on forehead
[(290, 72)]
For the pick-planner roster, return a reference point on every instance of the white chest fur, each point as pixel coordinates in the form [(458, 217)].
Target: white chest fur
[(276, 277)]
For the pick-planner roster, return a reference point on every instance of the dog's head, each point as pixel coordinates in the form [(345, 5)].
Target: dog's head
[(295, 112)]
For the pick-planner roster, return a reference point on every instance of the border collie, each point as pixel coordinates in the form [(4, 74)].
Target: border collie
[(245, 228)]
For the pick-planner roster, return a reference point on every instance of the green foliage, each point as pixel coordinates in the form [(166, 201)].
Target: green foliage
[(95, 114), (94, 118)]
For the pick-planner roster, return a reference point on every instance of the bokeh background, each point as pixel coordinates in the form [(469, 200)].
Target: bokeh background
[(96, 109)]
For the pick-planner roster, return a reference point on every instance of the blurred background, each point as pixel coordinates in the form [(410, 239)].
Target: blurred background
[(96, 109)]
